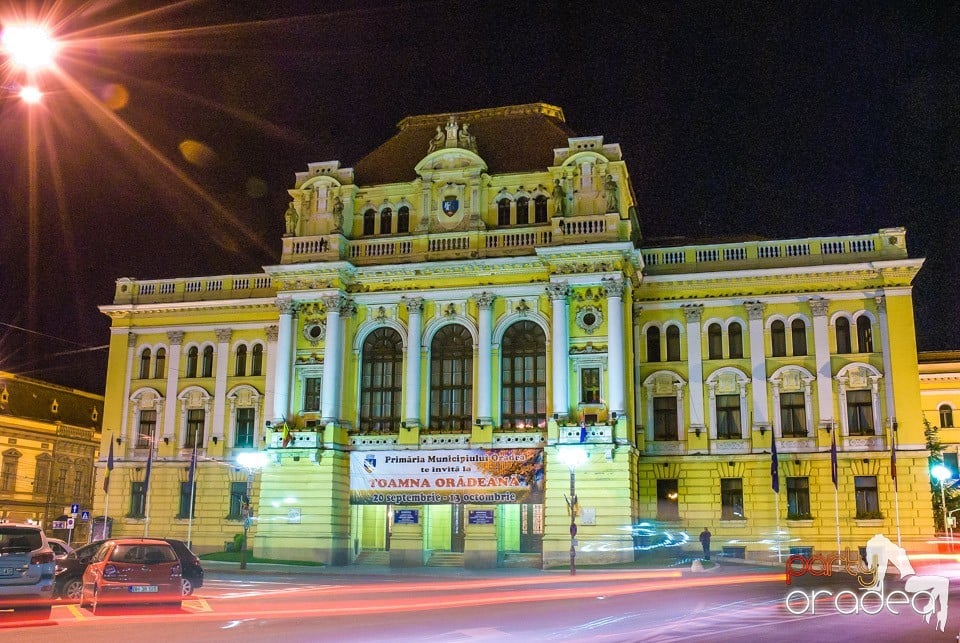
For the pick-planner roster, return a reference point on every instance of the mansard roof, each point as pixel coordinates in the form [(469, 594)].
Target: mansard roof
[(517, 138), (31, 399)]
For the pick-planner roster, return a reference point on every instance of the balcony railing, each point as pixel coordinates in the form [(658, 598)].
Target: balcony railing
[(131, 291)]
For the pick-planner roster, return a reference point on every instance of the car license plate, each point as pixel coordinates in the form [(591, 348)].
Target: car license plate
[(143, 588), (6, 571)]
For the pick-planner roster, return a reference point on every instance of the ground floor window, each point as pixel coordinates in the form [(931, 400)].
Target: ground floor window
[(138, 500), (185, 498), (798, 498), (238, 498), (731, 499), (868, 500), (668, 506)]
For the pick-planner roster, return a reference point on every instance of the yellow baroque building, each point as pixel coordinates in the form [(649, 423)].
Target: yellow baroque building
[(466, 336)]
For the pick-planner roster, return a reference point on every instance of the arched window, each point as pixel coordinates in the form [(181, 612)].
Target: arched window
[(241, 369), (540, 209), (523, 211), (524, 376), (192, 356), (381, 378), (403, 220), (503, 212), (256, 362), (843, 336), (864, 334), (145, 364), (735, 339), (798, 331), (451, 378), (778, 339), (160, 364), (673, 344), (653, 344), (386, 221), (714, 342), (207, 366), (946, 416), (369, 222)]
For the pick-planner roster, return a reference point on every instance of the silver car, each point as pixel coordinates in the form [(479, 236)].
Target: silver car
[(26, 573)]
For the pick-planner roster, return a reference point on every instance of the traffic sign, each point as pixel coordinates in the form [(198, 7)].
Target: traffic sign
[(70, 523), (74, 509), (84, 515), (59, 524)]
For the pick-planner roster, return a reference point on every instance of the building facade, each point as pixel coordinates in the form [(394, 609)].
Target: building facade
[(49, 441), (469, 307)]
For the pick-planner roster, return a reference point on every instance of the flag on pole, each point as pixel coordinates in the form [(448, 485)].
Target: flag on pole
[(833, 458), (774, 465), (146, 477), (106, 476), (193, 465), (287, 435), (583, 430), (893, 464)]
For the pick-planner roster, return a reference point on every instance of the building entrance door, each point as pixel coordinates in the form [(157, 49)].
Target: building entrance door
[(456, 528), (531, 528)]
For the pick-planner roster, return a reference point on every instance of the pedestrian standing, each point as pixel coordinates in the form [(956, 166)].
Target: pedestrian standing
[(705, 541)]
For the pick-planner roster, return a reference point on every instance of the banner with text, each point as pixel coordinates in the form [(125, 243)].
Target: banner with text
[(448, 476)]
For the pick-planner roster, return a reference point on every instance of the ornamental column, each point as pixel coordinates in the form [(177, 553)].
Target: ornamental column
[(269, 392), (885, 347), (615, 347), (485, 353), (693, 313), (758, 364), (220, 384), (821, 344), (561, 339), (414, 339), (329, 398), (637, 395), (284, 360), (131, 350), (173, 381), (347, 311)]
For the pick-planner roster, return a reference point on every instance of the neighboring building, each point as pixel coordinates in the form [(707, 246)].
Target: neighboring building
[(49, 440), (470, 305), (940, 393)]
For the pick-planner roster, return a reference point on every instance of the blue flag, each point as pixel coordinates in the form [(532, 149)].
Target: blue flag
[(774, 465), (193, 465), (106, 477), (583, 431), (833, 458), (146, 477)]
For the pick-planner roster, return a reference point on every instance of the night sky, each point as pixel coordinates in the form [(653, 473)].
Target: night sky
[(775, 120)]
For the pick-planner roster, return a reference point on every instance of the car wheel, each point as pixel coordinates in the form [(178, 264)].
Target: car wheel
[(186, 585), (72, 590)]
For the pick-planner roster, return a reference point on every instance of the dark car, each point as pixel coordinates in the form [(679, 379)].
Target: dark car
[(70, 568), (132, 570)]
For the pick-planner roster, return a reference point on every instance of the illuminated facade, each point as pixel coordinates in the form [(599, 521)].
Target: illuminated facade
[(472, 299)]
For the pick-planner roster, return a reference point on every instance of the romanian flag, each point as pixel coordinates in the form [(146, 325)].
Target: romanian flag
[(774, 465), (893, 462), (833, 458), (287, 435), (106, 476)]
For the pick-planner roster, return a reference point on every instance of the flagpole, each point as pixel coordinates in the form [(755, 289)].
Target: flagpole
[(836, 511), (893, 471), (193, 489), (775, 486), (146, 500), (777, 509), (106, 492), (835, 475)]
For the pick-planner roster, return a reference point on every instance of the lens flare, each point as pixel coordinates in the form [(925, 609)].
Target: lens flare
[(30, 47)]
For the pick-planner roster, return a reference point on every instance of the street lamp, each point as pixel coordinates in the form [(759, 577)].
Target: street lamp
[(251, 462), (942, 473), (573, 457), (30, 47)]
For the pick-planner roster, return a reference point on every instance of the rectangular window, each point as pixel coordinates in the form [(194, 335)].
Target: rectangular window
[(185, 493), (138, 500), (731, 499), (42, 475), (147, 429), (798, 499), (668, 506), (868, 500), (311, 394), (793, 415), (590, 386), (728, 417), (244, 434), (238, 498), (8, 472), (860, 412), (665, 418), (195, 420)]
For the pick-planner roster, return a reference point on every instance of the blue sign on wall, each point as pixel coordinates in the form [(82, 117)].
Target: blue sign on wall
[(406, 516), (480, 517)]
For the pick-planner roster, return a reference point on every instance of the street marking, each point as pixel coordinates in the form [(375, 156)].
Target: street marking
[(77, 612), (197, 605)]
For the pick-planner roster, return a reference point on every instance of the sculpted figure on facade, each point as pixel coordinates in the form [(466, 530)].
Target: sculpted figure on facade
[(437, 141), (337, 214), (559, 198), (291, 218), (611, 195)]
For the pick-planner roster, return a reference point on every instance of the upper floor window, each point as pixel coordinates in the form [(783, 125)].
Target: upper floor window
[(843, 336), (256, 362), (311, 394), (590, 385), (145, 364), (798, 331), (160, 366), (523, 211), (403, 220), (41, 473), (714, 342), (192, 358), (207, 366), (381, 376), (728, 417), (195, 422), (864, 335), (524, 376), (793, 415), (451, 378), (673, 344), (653, 344), (540, 209), (503, 212), (369, 222), (147, 428), (244, 433), (860, 412), (778, 339), (946, 416), (8, 470), (241, 368), (386, 221), (735, 339), (665, 418)]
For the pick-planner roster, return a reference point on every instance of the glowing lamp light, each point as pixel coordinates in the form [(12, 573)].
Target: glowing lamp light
[(252, 459), (30, 95), (30, 47), (573, 457), (940, 472)]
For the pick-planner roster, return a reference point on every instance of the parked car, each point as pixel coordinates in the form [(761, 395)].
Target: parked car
[(70, 568), (26, 572), (129, 570), (60, 548)]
